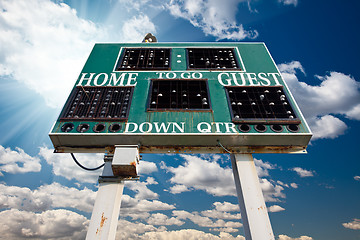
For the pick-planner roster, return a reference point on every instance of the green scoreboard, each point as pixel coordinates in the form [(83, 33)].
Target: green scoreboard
[(182, 98)]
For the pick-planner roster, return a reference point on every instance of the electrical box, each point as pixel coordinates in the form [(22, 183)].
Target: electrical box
[(125, 161), (182, 98)]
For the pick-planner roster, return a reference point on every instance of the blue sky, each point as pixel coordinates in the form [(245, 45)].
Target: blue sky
[(43, 46)]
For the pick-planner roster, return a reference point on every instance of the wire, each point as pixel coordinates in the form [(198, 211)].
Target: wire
[(88, 169), (223, 147)]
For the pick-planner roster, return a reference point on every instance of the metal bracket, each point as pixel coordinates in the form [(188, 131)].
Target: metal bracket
[(121, 164), (117, 179)]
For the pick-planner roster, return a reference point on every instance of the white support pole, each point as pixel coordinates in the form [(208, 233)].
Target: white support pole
[(105, 215), (253, 210), (118, 167)]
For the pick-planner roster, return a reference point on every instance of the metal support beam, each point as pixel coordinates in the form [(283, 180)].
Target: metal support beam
[(106, 211), (104, 218), (253, 210)]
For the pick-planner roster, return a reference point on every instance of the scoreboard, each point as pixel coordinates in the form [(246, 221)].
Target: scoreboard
[(181, 98)]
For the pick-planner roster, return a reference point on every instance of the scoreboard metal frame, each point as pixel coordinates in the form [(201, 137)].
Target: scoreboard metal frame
[(246, 105)]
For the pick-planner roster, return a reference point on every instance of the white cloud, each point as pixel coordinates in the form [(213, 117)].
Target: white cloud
[(263, 167), (357, 178), (294, 185), (46, 197), (178, 188), (327, 126), (131, 205), (354, 113), (214, 179), (162, 219), (22, 198), (223, 230), (204, 221), (212, 219), (141, 189), (63, 165), (337, 94), (51, 224), (67, 197), (135, 4), (272, 192), (275, 208), (291, 68), (216, 18), (303, 172), (284, 237), (146, 167), (200, 174), (134, 29), (289, 2), (190, 234), (282, 184), (43, 45), (17, 161), (222, 210), (130, 230), (220, 215), (226, 207), (355, 224)]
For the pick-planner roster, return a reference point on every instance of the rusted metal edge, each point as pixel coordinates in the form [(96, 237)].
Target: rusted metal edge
[(189, 150)]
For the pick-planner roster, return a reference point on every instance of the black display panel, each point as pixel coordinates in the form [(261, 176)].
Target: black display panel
[(212, 58), (179, 95), (98, 103), (144, 59), (260, 105)]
